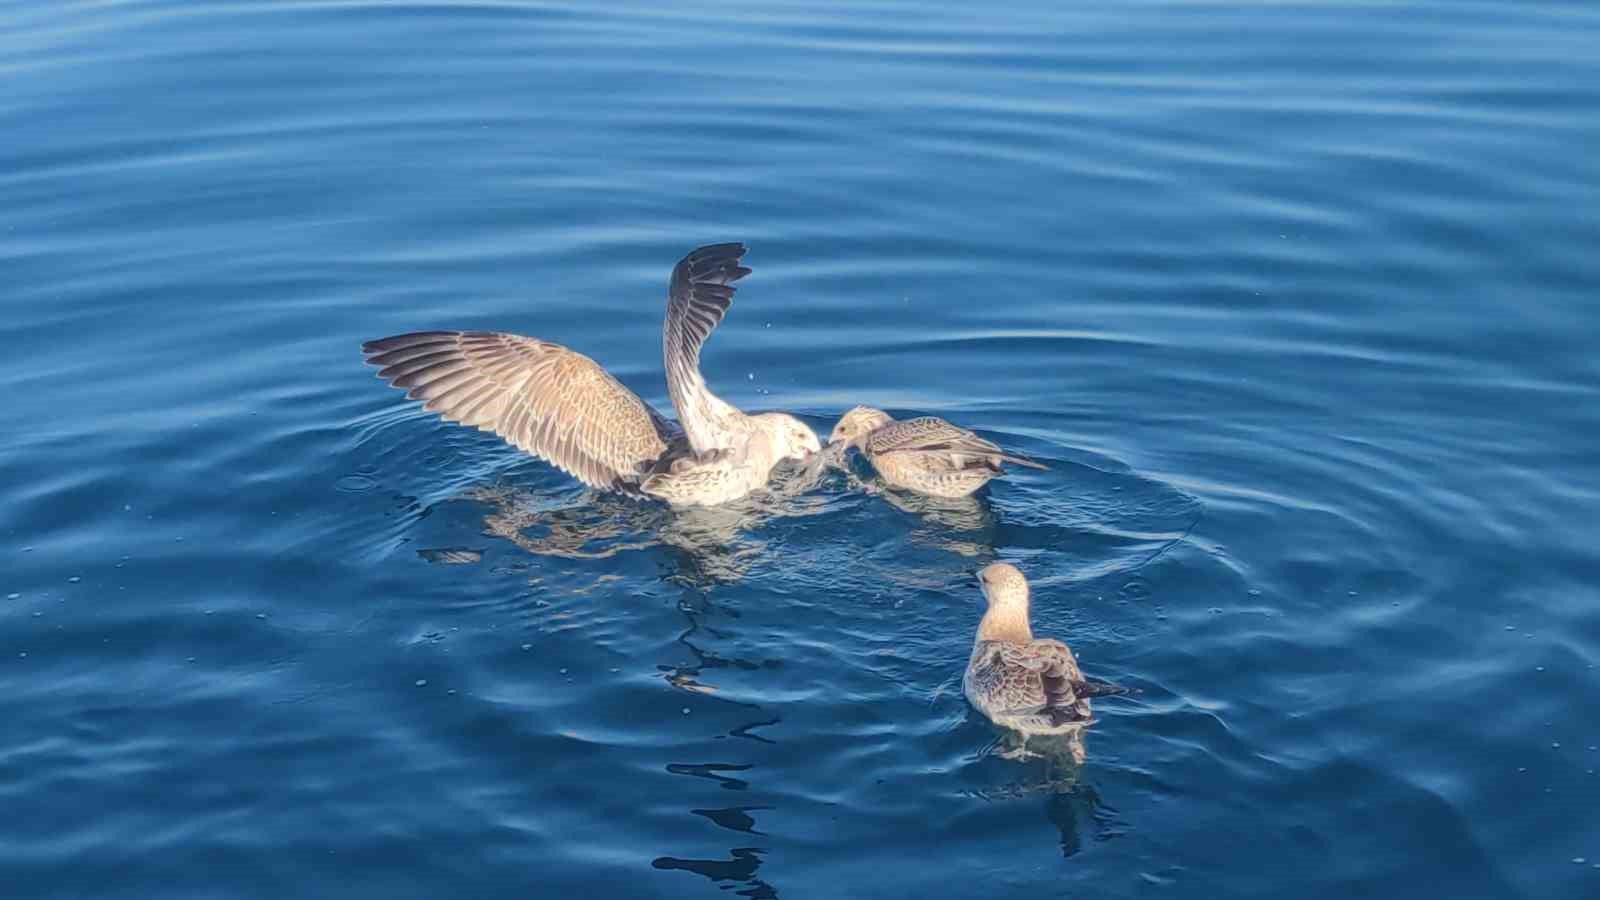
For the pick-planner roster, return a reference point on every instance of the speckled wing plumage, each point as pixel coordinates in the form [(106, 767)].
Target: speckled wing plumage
[(685, 481), (929, 433), (1033, 686), (550, 401), (698, 298)]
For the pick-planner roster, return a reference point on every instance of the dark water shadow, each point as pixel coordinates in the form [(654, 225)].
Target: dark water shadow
[(740, 868)]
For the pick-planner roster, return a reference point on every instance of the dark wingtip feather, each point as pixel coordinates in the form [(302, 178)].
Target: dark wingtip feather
[(399, 355), (1091, 688), (713, 264), (1024, 461), (1068, 715), (402, 341)]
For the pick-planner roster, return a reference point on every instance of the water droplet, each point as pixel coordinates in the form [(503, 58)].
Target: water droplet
[(750, 376), (686, 710), (451, 691), (74, 579), (615, 671), (422, 682), (1579, 860), (1555, 745), (1351, 593), (19, 596), (190, 659), (1522, 769), (563, 671), (527, 646), (1255, 592), (1538, 668), (1511, 628), (23, 654)]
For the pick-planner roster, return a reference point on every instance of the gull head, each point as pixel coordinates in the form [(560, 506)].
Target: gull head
[(1003, 586), (790, 437), (857, 424)]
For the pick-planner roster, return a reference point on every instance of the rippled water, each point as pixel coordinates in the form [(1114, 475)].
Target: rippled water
[(1297, 299)]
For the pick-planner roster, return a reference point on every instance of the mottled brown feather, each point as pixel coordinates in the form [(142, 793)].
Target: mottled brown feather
[(546, 399)]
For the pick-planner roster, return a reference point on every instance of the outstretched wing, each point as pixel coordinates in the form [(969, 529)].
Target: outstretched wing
[(700, 294), (949, 443), (550, 401)]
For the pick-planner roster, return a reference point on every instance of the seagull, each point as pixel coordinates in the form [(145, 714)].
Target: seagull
[(559, 405), (927, 454), (1032, 685)]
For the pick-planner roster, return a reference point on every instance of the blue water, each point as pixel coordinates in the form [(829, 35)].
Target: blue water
[(1299, 300)]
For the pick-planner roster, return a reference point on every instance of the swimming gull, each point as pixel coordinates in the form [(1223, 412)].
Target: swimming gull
[(1032, 685), (561, 406), (927, 454)]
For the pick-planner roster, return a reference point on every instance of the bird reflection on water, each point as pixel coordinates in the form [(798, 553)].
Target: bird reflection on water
[(1052, 766), (706, 548), (713, 545), (743, 862), (741, 866), (942, 522)]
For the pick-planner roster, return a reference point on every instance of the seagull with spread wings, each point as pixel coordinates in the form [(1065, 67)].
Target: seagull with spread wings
[(561, 406)]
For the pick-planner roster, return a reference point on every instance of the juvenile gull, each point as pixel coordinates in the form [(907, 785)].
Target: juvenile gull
[(561, 406), (927, 454), (1020, 682)]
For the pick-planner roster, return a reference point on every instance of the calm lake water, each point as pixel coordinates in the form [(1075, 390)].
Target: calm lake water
[(1299, 301)]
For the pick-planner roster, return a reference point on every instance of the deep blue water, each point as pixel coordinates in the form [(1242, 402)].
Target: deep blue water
[(1298, 299)]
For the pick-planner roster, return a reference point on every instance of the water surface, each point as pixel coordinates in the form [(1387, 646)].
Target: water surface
[(1297, 300)]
